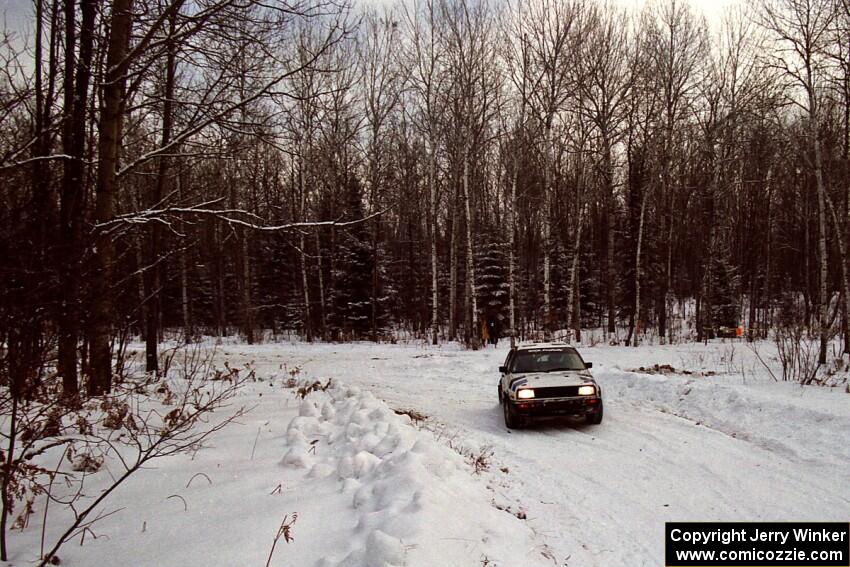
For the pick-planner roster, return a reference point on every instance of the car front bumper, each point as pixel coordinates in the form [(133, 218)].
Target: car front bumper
[(557, 406)]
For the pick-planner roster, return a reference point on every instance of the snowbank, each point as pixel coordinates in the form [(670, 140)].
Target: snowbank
[(808, 424), (401, 497), (357, 485)]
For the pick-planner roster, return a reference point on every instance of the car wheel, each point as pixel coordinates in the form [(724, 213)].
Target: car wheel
[(511, 419), (500, 393), (595, 418)]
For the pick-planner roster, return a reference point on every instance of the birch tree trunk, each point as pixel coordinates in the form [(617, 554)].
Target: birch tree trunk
[(846, 93), (708, 288), (573, 303), (305, 283), (453, 268), (547, 232), (824, 303), (473, 332), (432, 191), (608, 174), (768, 319), (375, 235), (637, 322), (247, 302), (322, 306), (512, 255), (185, 303)]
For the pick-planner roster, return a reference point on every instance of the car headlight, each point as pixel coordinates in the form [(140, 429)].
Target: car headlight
[(526, 394), (587, 390)]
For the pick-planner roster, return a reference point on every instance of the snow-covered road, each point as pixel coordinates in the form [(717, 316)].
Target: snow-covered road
[(672, 447), (712, 437)]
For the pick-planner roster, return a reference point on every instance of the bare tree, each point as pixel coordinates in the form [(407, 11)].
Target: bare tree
[(677, 48), (801, 32), (424, 56), (379, 63), (608, 76), (553, 29), (514, 126), (76, 81), (471, 58)]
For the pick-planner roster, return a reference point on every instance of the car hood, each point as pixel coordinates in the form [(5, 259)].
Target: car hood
[(551, 379)]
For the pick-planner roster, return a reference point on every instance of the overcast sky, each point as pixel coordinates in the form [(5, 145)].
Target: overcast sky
[(19, 12), (713, 9), (16, 13)]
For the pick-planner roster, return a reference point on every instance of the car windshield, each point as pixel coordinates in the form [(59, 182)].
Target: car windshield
[(546, 361)]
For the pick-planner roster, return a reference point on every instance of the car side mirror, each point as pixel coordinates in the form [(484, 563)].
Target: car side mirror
[(503, 369), (588, 365)]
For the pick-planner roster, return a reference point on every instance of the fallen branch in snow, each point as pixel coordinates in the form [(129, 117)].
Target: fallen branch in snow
[(185, 505), (285, 531), (519, 514), (254, 448), (197, 475)]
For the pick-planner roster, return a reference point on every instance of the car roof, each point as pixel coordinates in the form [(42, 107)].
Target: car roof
[(549, 345)]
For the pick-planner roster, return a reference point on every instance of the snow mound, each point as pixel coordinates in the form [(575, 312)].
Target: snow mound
[(406, 499), (803, 424)]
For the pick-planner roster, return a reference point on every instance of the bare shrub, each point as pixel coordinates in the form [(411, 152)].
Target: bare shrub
[(143, 420), (479, 460), (152, 435), (798, 353)]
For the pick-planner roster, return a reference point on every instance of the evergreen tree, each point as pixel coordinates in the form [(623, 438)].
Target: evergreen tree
[(351, 299), (492, 286), (724, 289)]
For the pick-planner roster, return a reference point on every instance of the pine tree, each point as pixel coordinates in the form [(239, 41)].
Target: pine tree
[(724, 289), (492, 285), (351, 297)]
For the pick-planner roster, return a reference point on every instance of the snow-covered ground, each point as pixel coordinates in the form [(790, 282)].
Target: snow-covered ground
[(372, 487)]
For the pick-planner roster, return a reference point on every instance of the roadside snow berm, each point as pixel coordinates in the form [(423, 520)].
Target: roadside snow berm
[(394, 493)]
